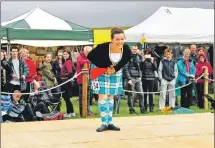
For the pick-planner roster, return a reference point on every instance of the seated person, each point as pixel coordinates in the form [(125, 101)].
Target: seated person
[(19, 107)]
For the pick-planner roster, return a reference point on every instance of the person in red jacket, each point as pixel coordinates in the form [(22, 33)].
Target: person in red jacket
[(66, 74), (81, 60), (24, 53), (200, 66)]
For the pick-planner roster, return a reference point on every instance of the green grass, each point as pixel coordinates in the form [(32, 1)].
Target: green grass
[(124, 109)]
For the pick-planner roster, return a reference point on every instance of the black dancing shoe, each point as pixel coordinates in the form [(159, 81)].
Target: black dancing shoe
[(113, 127), (102, 128)]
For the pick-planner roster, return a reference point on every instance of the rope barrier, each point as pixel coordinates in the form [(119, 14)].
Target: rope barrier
[(76, 75), (210, 79), (71, 79), (163, 91)]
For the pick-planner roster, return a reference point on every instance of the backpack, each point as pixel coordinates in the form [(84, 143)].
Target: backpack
[(55, 115)]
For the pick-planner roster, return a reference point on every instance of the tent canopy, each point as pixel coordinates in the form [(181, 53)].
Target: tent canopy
[(40, 25), (48, 43), (40, 19), (175, 25)]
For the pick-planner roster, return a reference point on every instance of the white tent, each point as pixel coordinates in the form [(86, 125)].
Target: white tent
[(175, 25), (40, 19), (40, 28)]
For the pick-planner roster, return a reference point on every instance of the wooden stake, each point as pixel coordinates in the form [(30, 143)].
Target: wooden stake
[(84, 90), (206, 88)]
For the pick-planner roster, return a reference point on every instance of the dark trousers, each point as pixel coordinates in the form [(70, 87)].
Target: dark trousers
[(27, 91), (28, 113), (186, 96), (148, 86), (12, 88), (66, 95), (200, 90), (41, 107), (136, 86), (80, 99)]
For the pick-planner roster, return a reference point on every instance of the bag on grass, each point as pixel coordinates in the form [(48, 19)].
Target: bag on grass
[(55, 115)]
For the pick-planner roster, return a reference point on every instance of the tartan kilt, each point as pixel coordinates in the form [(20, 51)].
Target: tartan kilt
[(108, 84)]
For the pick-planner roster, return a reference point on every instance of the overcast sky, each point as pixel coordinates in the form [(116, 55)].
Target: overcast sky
[(95, 13)]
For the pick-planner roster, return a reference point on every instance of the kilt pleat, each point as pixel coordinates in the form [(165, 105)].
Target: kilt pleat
[(108, 84)]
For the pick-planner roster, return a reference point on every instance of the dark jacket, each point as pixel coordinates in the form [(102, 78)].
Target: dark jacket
[(56, 69), (133, 67), (23, 69), (148, 69), (100, 56), (6, 71), (194, 58), (167, 70)]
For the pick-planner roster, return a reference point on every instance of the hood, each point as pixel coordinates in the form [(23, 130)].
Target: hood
[(200, 56), (82, 54), (43, 65)]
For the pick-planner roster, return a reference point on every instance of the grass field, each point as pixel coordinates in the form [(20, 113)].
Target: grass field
[(124, 112)]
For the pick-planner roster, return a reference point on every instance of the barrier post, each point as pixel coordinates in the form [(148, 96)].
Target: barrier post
[(84, 90), (205, 88)]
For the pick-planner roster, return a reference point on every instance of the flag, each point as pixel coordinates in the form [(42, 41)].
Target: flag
[(96, 72)]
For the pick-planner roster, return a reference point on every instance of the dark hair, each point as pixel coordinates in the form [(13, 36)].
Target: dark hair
[(116, 30), (14, 47), (69, 52)]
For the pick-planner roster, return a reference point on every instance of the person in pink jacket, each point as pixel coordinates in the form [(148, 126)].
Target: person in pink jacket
[(200, 66), (81, 60)]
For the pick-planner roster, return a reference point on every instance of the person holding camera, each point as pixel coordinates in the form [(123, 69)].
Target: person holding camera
[(167, 74), (148, 79), (186, 75)]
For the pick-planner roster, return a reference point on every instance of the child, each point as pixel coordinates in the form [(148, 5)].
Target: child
[(167, 74), (19, 107)]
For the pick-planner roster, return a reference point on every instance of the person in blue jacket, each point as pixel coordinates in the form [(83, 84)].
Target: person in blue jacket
[(186, 73)]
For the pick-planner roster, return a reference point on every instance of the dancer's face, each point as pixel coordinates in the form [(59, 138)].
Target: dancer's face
[(118, 40)]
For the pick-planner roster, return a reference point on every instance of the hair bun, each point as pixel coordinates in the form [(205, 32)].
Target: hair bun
[(115, 28)]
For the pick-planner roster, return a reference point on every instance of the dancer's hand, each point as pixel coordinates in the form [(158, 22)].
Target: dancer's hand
[(110, 70)]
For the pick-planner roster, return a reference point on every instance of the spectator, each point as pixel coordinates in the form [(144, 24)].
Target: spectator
[(47, 73), (200, 66), (133, 73), (57, 65), (20, 70), (32, 70), (81, 60), (5, 69), (201, 50), (186, 73), (66, 74), (167, 74), (149, 67), (194, 55), (24, 108)]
